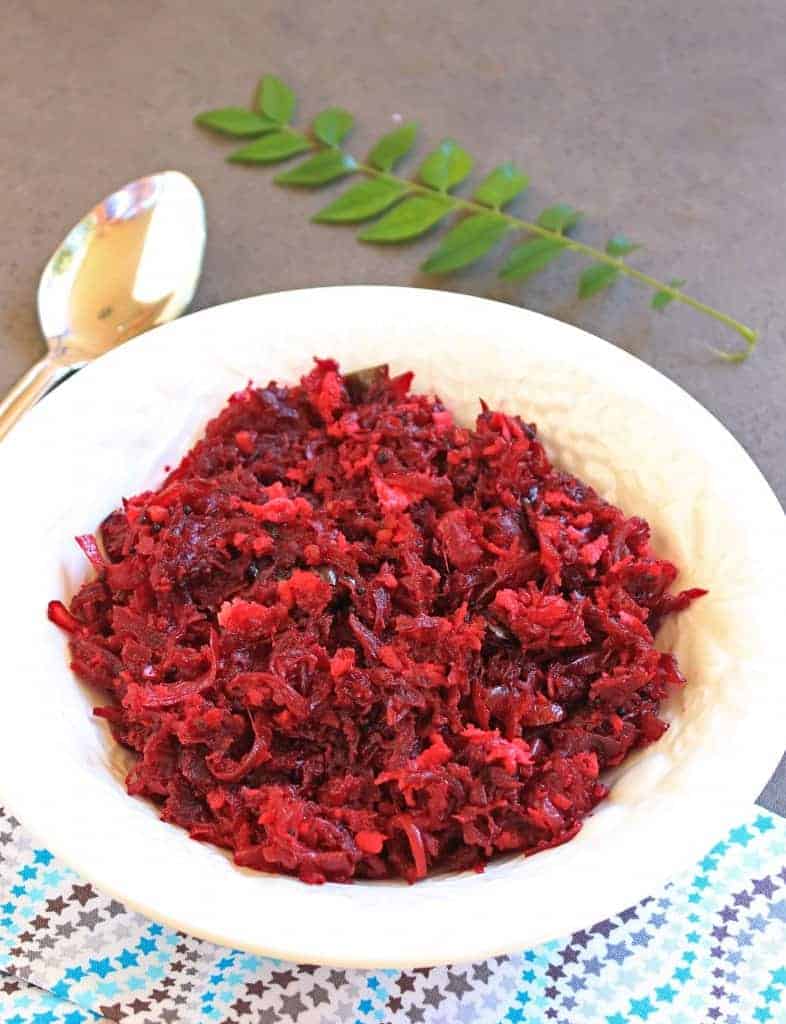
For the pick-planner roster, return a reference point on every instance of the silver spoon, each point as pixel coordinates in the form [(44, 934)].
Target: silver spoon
[(132, 263)]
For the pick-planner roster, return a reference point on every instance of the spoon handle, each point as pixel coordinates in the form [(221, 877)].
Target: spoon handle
[(28, 389)]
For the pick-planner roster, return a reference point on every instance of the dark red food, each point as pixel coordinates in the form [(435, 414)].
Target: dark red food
[(348, 638)]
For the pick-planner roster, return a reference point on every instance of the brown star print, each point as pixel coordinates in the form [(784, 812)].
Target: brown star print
[(83, 893)]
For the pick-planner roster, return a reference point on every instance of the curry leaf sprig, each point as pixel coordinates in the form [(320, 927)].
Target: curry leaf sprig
[(400, 209)]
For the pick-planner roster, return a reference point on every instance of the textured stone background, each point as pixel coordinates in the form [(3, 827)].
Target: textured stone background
[(662, 119)]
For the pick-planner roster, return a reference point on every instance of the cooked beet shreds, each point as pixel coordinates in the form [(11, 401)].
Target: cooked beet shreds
[(348, 638)]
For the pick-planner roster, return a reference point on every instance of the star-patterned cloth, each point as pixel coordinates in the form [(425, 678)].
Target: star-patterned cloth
[(711, 946)]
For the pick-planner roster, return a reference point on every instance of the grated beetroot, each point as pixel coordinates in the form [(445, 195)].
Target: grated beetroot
[(348, 638)]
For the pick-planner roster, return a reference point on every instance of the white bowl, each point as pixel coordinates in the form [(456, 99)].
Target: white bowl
[(640, 440)]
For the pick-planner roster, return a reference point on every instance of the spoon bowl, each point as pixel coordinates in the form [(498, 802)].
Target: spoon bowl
[(131, 264)]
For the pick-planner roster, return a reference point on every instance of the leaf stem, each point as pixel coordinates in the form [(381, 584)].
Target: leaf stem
[(749, 336), (598, 255)]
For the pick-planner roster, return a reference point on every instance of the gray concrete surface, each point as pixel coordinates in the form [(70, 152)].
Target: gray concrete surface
[(663, 119)]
